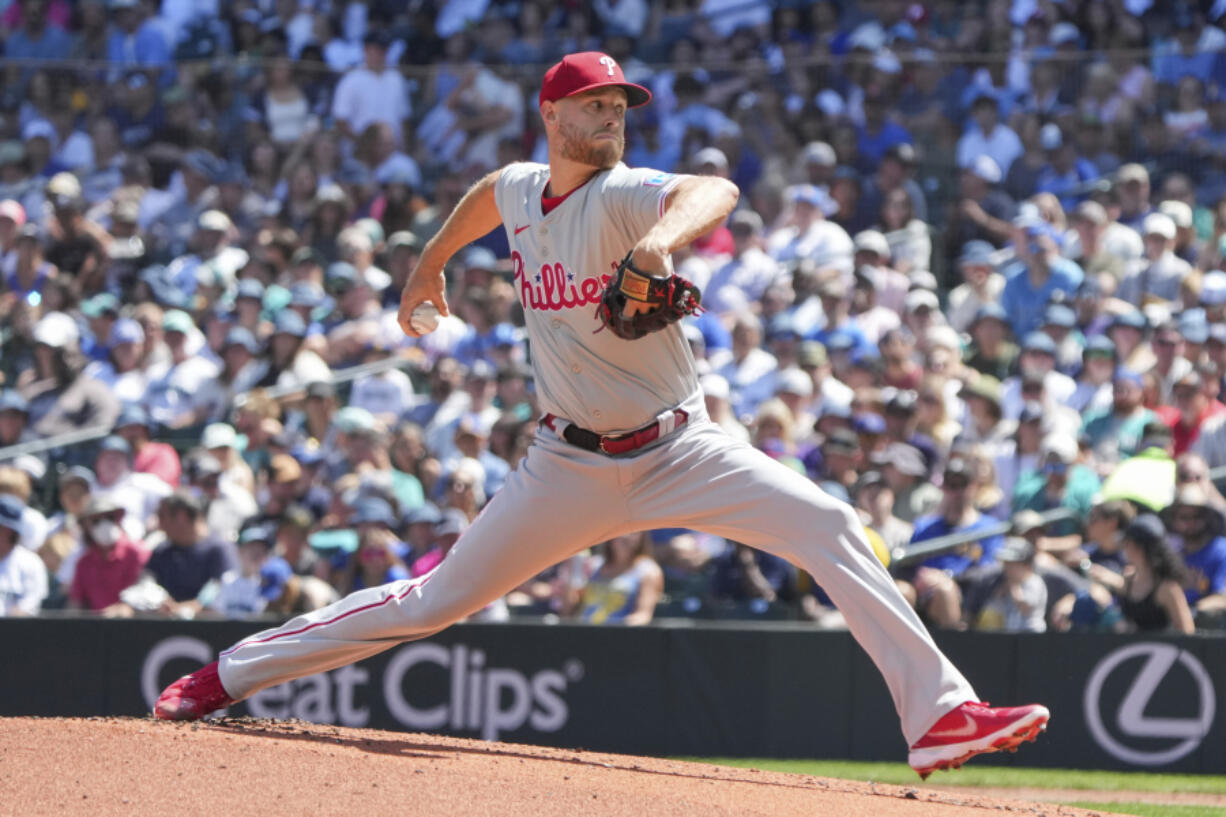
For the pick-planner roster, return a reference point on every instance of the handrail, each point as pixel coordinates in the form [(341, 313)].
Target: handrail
[(86, 435)]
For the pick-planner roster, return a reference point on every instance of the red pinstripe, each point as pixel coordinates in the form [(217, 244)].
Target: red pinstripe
[(413, 585)]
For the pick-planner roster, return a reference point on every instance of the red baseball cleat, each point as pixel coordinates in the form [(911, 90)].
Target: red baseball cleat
[(973, 729), (193, 696)]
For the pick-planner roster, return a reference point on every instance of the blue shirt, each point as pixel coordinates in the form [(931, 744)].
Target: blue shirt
[(860, 344), (1206, 571), (872, 146), (54, 44), (1068, 187), (1024, 304), (145, 48), (969, 555)]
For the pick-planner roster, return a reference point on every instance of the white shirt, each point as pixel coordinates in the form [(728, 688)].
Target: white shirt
[(389, 392), (825, 242), (138, 494), (34, 529), (364, 97), (23, 582), (1002, 145), (964, 301), (738, 280)]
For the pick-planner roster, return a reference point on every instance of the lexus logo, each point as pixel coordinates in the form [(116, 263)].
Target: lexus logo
[(1131, 720)]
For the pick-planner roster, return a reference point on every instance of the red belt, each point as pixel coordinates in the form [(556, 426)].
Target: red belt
[(621, 443)]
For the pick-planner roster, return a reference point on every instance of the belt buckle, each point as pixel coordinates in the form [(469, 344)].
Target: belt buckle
[(603, 450)]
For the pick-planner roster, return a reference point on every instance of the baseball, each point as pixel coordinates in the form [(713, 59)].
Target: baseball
[(424, 318)]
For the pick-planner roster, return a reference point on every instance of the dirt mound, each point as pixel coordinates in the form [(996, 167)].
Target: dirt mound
[(104, 767)]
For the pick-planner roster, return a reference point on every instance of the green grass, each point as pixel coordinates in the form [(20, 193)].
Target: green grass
[(995, 776), (1151, 809)]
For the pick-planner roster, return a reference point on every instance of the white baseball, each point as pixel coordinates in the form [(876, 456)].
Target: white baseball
[(424, 318)]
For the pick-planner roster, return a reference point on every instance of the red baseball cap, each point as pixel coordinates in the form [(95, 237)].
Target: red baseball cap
[(586, 70)]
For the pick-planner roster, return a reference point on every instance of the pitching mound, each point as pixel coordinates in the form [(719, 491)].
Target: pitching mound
[(117, 766)]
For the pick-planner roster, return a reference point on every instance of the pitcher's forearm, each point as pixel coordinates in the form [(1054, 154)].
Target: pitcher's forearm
[(696, 207), (474, 216)]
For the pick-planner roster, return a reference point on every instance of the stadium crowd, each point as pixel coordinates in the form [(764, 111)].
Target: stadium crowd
[(955, 293)]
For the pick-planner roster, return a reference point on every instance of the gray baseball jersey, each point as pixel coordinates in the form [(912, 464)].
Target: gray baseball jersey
[(561, 263)]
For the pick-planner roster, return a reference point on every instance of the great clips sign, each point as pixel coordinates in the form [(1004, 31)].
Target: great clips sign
[(422, 687)]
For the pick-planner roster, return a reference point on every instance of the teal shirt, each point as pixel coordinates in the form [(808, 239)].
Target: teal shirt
[(1114, 438), (1079, 492), (408, 490)]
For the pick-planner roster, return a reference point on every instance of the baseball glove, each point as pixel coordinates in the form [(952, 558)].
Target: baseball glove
[(672, 298)]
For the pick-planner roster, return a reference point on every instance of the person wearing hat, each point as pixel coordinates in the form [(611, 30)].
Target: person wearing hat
[(1158, 278), (472, 440), (991, 352), (1132, 185), (259, 579), (807, 233), (291, 363), (148, 457), (27, 271), (174, 398), (14, 419), (874, 499), (371, 92), (122, 371), (23, 577), (905, 471), (1060, 324), (981, 285), (986, 135), (222, 441), (984, 211), (1147, 478), (379, 557), (1091, 223), (583, 102), (931, 586), (1060, 481), (1094, 380), (1190, 408), (137, 493), (1115, 432), (110, 562), (226, 505), (1065, 174), (1200, 526), (1151, 593), (1038, 274), (1018, 603), (1171, 362), (873, 317), (1037, 365)]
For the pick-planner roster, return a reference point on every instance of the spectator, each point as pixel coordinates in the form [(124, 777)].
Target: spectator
[(987, 136), (981, 287), (148, 457), (1037, 275), (23, 578), (450, 524), (227, 505), (743, 574), (259, 580), (931, 588), (903, 468), (1150, 598), (1115, 433), (875, 500), (1059, 482), (624, 583), (137, 493), (1018, 603), (1159, 277), (982, 212), (110, 563), (373, 92), (1191, 408), (188, 558), (1199, 526)]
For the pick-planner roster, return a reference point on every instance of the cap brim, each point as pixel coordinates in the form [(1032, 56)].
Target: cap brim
[(636, 95)]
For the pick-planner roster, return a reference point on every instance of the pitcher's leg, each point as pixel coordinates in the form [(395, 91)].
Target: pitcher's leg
[(710, 482), (550, 507)]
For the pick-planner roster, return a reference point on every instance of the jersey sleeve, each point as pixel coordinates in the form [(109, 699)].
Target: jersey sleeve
[(638, 196), (505, 188)]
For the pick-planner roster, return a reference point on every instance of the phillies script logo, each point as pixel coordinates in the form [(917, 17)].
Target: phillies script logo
[(555, 289)]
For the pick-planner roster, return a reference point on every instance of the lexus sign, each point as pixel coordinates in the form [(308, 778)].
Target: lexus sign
[(1122, 687)]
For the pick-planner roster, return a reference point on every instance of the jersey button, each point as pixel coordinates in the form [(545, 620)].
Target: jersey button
[(596, 413), (555, 323), (575, 368), (544, 231)]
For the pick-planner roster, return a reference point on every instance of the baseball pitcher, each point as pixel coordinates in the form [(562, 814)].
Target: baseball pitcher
[(624, 444)]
